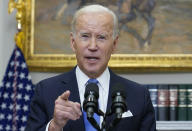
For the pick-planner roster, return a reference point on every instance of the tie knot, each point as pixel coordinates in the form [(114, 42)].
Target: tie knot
[(95, 81)]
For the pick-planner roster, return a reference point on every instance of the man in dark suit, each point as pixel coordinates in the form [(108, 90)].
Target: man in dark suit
[(56, 103)]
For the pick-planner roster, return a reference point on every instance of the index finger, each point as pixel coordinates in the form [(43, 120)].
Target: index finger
[(65, 95)]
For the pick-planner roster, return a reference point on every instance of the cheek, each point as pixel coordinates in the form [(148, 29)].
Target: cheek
[(78, 48), (106, 54), (108, 50), (80, 53)]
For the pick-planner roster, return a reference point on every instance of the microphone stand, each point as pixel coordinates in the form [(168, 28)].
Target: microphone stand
[(114, 122), (94, 122), (104, 126)]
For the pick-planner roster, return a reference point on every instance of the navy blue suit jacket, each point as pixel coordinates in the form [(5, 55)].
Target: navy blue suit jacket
[(46, 92)]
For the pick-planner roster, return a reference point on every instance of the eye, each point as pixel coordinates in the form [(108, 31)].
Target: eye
[(101, 37), (84, 35)]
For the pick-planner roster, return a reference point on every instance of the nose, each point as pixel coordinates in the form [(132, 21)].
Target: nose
[(93, 44)]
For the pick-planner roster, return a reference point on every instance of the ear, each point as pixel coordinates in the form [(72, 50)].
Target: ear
[(115, 42), (72, 41)]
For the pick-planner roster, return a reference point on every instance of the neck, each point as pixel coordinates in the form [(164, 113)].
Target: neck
[(92, 75)]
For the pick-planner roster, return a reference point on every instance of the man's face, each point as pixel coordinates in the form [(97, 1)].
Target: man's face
[(93, 42)]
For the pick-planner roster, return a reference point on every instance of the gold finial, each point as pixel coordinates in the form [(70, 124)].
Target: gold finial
[(20, 6)]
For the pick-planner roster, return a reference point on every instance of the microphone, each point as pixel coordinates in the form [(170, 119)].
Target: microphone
[(90, 104), (118, 100)]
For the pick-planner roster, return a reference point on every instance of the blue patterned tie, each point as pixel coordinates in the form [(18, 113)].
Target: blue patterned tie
[(88, 126)]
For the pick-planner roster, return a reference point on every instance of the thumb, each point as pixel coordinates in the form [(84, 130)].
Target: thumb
[(65, 95)]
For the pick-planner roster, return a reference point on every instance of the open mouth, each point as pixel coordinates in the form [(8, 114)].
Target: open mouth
[(92, 58)]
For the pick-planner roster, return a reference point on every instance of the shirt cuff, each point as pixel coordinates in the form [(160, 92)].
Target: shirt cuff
[(47, 127)]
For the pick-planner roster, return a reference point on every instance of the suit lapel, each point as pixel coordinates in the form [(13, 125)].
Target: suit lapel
[(70, 83)]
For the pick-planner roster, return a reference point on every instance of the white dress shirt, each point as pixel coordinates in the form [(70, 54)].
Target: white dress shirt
[(103, 85)]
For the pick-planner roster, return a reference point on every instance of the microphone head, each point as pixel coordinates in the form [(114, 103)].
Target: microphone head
[(93, 89), (90, 103), (118, 100), (118, 89)]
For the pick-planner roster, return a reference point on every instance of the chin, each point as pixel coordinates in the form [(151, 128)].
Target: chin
[(93, 72)]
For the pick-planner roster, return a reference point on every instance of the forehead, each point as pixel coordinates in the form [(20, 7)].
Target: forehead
[(95, 21)]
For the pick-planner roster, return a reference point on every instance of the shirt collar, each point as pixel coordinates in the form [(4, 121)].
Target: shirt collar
[(103, 79), (82, 78)]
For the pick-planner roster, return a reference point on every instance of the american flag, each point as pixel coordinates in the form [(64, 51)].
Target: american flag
[(16, 91)]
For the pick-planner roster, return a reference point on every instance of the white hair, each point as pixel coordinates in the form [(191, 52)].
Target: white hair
[(94, 9)]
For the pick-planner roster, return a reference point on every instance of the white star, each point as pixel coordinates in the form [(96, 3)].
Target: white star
[(12, 63), (17, 117), (17, 63), (1, 127), (18, 53), (15, 73), (10, 74), (25, 108), (24, 118), (2, 116), (22, 75), (8, 128), (9, 117), (14, 84), (29, 77), (19, 96), (18, 107), (5, 96), (8, 84), (11, 106), (3, 105), (26, 97), (20, 86), (14, 128), (1, 84), (28, 87), (22, 128), (12, 96), (23, 65)]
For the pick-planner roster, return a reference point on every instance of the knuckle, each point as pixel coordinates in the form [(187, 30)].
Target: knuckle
[(57, 101)]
